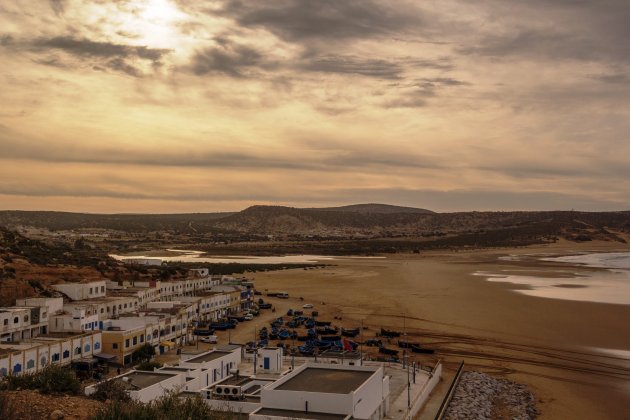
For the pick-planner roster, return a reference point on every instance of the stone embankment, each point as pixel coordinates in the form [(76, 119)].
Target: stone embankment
[(480, 396)]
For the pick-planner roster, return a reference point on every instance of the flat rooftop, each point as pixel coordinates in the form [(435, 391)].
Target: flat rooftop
[(293, 414), (141, 380), (331, 381), (207, 357)]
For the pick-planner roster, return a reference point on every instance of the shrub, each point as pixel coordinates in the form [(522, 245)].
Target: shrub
[(149, 365), (168, 407), (51, 379), (111, 390)]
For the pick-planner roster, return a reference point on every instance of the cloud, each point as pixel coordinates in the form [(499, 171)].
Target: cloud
[(58, 6), (229, 59), (88, 48), (377, 68), (417, 94), (298, 21)]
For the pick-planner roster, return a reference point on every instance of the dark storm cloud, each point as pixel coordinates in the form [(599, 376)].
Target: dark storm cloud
[(417, 94), (230, 59), (613, 79), (86, 47), (377, 68), (58, 6), (297, 20), (584, 30)]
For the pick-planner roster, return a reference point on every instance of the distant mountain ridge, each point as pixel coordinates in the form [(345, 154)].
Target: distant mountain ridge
[(375, 208), (354, 221)]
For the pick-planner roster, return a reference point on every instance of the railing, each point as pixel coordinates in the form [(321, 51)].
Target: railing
[(449, 394)]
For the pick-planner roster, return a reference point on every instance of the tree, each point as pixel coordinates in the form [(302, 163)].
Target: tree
[(144, 353)]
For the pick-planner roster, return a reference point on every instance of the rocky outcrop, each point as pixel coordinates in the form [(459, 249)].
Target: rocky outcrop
[(480, 396)]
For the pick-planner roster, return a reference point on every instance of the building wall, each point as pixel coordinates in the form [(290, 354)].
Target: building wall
[(46, 352), (368, 397), (82, 291), (54, 305)]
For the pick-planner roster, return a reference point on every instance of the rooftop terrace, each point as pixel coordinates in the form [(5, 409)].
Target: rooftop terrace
[(141, 380), (331, 381), (207, 357)]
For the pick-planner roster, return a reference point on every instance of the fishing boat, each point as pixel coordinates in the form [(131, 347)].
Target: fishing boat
[(350, 333), (330, 337), (385, 350), (417, 349), (306, 350), (326, 330), (406, 344), (389, 333), (322, 323), (202, 332), (283, 334), (220, 326)]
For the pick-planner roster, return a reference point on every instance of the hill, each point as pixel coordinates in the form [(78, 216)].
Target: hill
[(376, 208)]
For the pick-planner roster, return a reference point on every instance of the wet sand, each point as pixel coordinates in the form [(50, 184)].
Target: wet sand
[(547, 344)]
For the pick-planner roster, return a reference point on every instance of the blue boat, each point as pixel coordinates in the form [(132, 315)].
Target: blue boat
[(283, 334)]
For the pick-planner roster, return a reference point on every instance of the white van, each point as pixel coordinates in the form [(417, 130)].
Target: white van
[(211, 339)]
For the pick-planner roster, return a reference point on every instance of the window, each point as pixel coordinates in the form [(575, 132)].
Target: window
[(115, 346), (142, 338), (16, 320), (103, 310), (6, 322), (90, 290), (135, 341), (126, 343), (102, 289)]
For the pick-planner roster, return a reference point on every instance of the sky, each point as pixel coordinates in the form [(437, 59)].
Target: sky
[(156, 106)]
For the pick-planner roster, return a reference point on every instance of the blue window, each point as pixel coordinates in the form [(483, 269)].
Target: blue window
[(17, 368), (55, 357), (3, 372), (97, 345), (66, 354), (30, 364), (87, 348)]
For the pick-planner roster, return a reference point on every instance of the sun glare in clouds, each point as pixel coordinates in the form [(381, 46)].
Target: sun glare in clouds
[(154, 22)]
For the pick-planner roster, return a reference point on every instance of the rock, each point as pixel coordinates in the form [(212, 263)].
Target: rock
[(56, 415)]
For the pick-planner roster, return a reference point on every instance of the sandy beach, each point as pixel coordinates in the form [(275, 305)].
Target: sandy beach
[(550, 345)]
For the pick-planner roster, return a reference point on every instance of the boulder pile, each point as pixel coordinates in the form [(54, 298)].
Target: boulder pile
[(481, 396)]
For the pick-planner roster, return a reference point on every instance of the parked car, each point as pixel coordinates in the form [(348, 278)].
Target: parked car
[(307, 306), (212, 339), (248, 317)]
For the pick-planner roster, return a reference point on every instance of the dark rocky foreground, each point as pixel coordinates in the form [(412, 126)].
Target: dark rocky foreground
[(480, 396)]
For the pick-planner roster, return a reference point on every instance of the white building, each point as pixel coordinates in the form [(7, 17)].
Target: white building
[(19, 323), (30, 356), (82, 291), (106, 307), (360, 392), (76, 321), (191, 374)]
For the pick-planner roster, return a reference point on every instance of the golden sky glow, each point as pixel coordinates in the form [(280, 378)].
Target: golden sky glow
[(194, 106)]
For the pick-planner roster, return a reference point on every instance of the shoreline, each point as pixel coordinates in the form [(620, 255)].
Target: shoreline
[(544, 343)]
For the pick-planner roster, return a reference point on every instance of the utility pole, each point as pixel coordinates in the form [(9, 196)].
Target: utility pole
[(361, 345)]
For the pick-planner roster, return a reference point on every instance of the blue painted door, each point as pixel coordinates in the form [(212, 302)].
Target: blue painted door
[(266, 363)]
